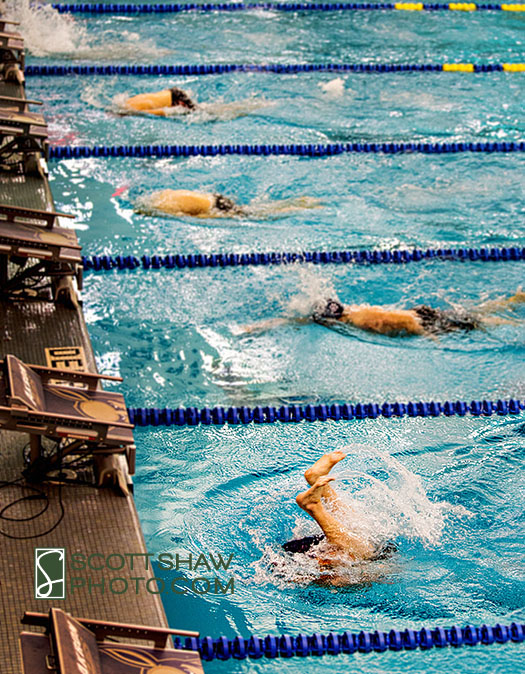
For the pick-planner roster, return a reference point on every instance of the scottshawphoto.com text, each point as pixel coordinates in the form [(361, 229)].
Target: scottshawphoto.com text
[(110, 573)]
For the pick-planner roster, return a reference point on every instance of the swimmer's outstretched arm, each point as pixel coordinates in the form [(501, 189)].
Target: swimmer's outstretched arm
[(263, 326), (504, 303), (160, 112)]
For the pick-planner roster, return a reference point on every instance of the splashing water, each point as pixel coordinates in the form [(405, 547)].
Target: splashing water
[(44, 30), (314, 287), (391, 500), (380, 500), (224, 112), (334, 88)]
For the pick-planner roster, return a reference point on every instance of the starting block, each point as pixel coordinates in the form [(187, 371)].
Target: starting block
[(40, 401), (29, 234), (79, 645)]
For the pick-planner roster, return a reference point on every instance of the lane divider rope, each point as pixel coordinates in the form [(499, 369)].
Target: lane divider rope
[(117, 8), (219, 416), (306, 150), (302, 645), (279, 68), (200, 260)]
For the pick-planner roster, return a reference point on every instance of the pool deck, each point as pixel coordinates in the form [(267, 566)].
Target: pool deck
[(96, 520)]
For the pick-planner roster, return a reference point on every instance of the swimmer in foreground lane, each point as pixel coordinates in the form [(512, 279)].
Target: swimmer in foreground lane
[(419, 320), (210, 205), (322, 503), (159, 102)]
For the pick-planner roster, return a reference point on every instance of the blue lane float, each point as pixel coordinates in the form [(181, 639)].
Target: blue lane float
[(297, 150), (279, 68), (303, 645), (168, 8), (202, 260), (219, 416)]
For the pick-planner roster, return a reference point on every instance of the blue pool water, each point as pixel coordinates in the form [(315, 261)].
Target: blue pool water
[(449, 491)]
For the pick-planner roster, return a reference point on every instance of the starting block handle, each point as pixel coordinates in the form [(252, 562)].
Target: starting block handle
[(21, 212), (19, 102)]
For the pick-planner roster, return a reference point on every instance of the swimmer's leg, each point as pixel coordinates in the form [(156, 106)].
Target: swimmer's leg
[(336, 534), (498, 320), (322, 467)]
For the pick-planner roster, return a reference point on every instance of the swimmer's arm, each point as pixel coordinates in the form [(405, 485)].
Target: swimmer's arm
[(294, 204), (160, 112), (263, 326)]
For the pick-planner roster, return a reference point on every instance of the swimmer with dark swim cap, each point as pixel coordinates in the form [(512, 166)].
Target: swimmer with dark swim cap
[(157, 102), (213, 205), (419, 320), (323, 504)]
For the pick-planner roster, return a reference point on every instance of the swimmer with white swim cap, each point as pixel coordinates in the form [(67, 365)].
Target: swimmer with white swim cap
[(156, 103), (418, 320)]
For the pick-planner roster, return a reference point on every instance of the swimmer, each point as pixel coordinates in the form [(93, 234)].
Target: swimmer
[(418, 320), (213, 205), (187, 202), (343, 543), (156, 103)]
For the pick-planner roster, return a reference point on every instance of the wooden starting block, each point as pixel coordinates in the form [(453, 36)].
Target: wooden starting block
[(31, 216), (12, 53), (25, 123), (85, 419), (12, 48), (7, 22), (22, 133), (27, 233), (58, 245), (20, 104), (79, 645)]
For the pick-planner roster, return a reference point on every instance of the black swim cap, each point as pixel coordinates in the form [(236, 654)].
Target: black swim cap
[(227, 205), (223, 203), (180, 97), (328, 309)]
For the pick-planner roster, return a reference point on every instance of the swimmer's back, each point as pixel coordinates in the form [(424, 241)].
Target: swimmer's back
[(186, 202), (150, 101)]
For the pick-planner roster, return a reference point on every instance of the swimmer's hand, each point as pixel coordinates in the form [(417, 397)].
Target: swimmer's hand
[(283, 206)]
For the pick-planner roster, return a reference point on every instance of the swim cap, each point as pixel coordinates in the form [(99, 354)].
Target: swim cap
[(180, 97), (328, 309), (223, 203)]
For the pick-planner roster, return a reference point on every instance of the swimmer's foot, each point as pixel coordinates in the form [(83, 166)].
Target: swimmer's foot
[(323, 466), (307, 499), (518, 297)]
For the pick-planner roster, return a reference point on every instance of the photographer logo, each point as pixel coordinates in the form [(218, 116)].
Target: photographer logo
[(50, 573)]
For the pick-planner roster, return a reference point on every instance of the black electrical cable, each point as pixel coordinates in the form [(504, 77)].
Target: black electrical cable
[(40, 494)]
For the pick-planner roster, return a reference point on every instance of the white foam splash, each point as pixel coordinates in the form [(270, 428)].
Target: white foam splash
[(225, 112), (392, 505), (47, 32), (44, 29), (386, 502), (313, 287), (334, 88)]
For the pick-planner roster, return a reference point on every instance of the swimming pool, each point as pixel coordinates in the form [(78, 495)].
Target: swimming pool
[(448, 490)]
